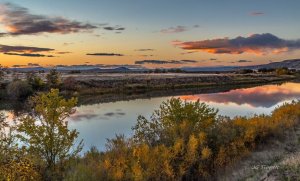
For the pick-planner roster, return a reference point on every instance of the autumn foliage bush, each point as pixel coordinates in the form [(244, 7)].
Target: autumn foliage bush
[(184, 141)]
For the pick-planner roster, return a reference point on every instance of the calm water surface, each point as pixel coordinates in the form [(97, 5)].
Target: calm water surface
[(100, 121)]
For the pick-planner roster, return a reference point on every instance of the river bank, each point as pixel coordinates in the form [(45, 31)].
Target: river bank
[(141, 83), (93, 88), (109, 88)]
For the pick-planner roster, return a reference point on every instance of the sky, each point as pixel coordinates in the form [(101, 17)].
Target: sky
[(156, 33)]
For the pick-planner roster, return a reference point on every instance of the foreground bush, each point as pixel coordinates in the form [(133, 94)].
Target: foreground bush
[(183, 141), (19, 90), (15, 164)]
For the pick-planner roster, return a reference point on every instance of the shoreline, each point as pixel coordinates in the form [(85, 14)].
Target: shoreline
[(111, 90), (100, 88), (89, 99)]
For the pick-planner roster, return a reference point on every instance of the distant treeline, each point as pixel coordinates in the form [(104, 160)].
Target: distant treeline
[(277, 71)]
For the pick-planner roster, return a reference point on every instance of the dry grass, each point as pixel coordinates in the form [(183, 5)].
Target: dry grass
[(276, 160)]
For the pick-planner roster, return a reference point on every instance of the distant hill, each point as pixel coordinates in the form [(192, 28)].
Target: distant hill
[(291, 64), (29, 69), (211, 69)]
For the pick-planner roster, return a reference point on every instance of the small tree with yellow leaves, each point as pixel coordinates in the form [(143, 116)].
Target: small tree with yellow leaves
[(45, 131)]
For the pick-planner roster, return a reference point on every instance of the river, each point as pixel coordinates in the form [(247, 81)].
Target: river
[(97, 122)]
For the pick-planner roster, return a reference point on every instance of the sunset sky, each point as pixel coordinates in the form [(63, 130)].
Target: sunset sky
[(156, 33)]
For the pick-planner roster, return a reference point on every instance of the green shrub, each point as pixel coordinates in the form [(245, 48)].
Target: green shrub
[(36, 82), (53, 79), (19, 90)]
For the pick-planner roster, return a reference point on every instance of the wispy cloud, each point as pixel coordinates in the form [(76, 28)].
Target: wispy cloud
[(105, 54), (144, 49), (62, 53), (243, 61), (19, 21), (22, 49), (67, 44), (257, 13), (111, 28), (165, 62), (28, 65), (177, 29), (259, 44), (146, 55), (29, 54), (116, 29), (98, 66), (33, 65)]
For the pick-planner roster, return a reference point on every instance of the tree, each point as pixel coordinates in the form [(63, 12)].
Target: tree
[(5, 138), (46, 133), (19, 90), (36, 82), (53, 79), (14, 163), (1, 72), (282, 71)]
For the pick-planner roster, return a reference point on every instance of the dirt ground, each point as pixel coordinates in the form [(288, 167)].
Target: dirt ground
[(275, 161)]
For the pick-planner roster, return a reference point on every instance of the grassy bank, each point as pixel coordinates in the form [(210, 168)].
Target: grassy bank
[(85, 99), (147, 83)]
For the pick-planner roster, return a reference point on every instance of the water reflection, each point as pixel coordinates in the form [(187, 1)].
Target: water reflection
[(100, 121), (264, 96)]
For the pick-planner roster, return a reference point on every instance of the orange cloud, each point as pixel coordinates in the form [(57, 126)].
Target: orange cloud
[(259, 44)]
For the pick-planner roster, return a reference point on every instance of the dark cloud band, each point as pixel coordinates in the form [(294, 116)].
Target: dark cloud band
[(22, 49), (29, 54), (105, 54), (243, 61)]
